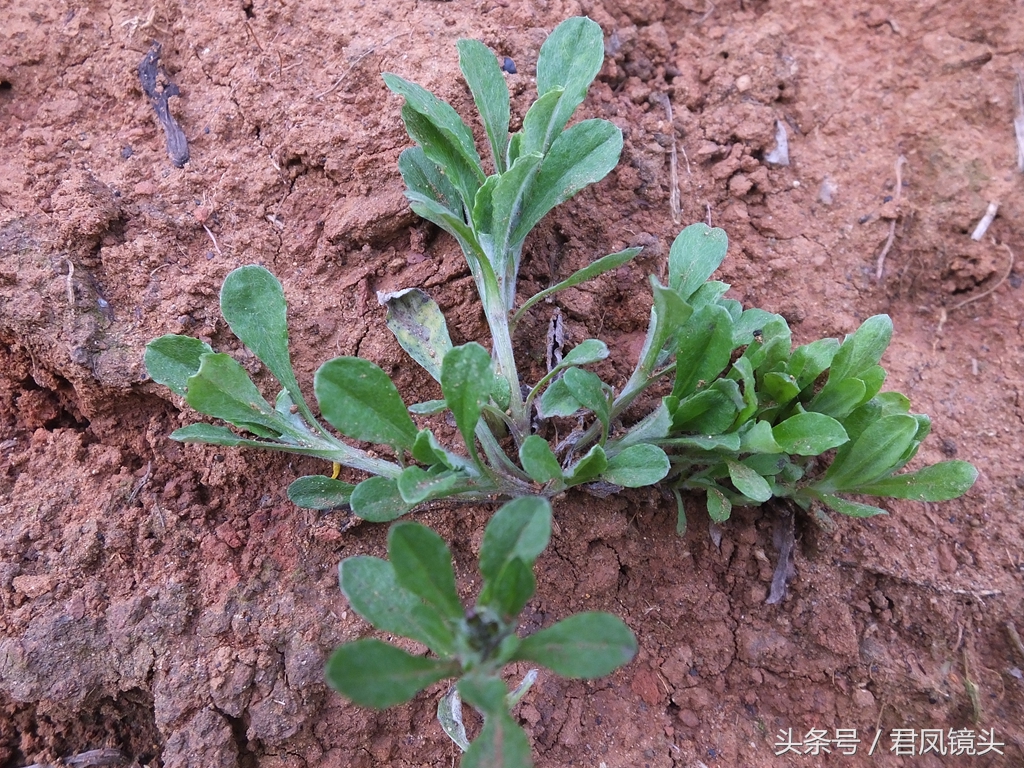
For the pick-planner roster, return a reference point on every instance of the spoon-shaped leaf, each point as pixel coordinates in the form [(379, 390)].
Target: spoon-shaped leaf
[(584, 646), (361, 401), (372, 673)]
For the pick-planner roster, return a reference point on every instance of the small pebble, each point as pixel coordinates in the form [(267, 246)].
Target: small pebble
[(509, 66)]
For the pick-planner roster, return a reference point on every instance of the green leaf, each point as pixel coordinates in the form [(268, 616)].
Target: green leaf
[(466, 175), (872, 455), (939, 482), (710, 411), (222, 388), (704, 348), (360, 401), (811, 360), (510, 591), (319, 492), (863, 349), (586, 352), (451, 223), (569, 59), (711, 292), (668, 313), (680, 512), (557, 400), (428, 182), (766, 464), (748, 482), (373, 591), (719, 507), (538, 460), (839, 398), (486, 693), (520, 529), (582, 155), (850, 508), (589, 272), (428, 407), (744, 370), (466, 381), (584, 646), (419, 326), (215, 435), (171, 360), (590, 392), (253, 304), (429, 451), (377, 500), (416, 485), (748, 322), (728, 443), (490, 93), (423, 565), (539, 127), (508, 197), (445, 138), (654, 426), (636, 466), (501, 743), (759, 438), (775, 349), (289, 411), (809, 434), (589, 467), (571, 56), (372, 673), (781, 387), (873, 378), (695, 254)]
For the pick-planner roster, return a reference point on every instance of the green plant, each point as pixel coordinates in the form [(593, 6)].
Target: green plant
[(733, 410), (413, 594), (748, 417)]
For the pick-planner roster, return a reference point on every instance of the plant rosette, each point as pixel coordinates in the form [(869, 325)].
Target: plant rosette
[(413, 594)]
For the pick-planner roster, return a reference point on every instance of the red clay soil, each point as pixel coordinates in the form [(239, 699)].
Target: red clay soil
[(169, 602)]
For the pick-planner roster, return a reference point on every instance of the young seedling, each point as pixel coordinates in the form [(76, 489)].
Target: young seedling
[(413, 594), (748, 418)]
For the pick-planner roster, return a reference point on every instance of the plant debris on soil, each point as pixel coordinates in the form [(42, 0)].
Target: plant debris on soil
[(167, 604)]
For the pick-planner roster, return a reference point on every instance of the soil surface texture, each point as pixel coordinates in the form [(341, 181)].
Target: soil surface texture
[(166, 602)]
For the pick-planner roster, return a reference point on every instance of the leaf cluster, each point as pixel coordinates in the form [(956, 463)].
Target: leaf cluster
[(413, 594), (735, 412)]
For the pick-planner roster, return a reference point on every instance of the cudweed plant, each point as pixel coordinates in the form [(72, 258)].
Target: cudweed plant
[(748, 418), (413, 594)]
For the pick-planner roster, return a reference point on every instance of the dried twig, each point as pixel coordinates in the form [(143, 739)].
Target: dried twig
[(983, 294), (673, 163), (140, 485), (70, 284), (941, 589), (1018, 121), (972, 689), (784, 537), (880, 265), (214, 239), (94, 758), (985, 222), (1012, 630)]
